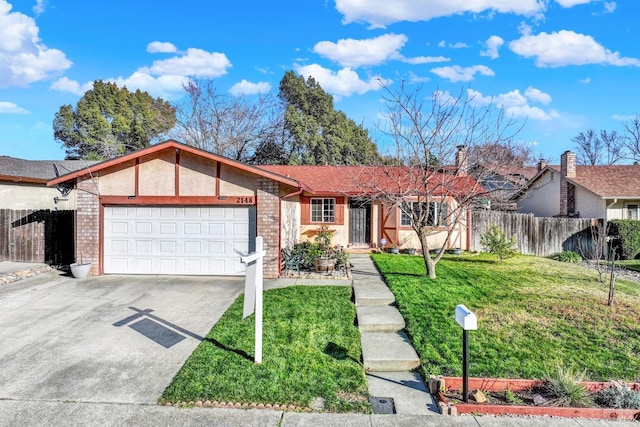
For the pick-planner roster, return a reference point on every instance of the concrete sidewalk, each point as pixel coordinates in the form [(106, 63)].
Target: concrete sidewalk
[(47, 413)]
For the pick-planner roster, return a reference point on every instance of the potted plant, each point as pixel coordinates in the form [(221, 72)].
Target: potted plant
[(394, 250), (80, 270), (411, 251), (324, 259)]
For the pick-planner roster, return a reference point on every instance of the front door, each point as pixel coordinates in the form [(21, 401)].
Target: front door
[(359, 223)]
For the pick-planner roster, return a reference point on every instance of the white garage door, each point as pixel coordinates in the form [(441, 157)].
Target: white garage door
[(177, 240)]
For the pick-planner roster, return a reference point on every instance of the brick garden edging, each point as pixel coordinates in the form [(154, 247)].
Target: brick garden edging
[(502, 384)]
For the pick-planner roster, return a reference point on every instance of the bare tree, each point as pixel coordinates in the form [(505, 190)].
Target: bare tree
[(606, 148), (429, 134), (631, 138), (232, 126)]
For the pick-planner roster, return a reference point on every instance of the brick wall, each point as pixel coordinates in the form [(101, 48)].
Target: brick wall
[(268, 224), (567, 192), (88, 223)]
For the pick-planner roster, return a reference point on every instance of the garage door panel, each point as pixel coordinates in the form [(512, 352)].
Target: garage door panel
[(177, 240)]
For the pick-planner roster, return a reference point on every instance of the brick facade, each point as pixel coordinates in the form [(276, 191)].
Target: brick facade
[(567, 190), (268, 223), (88, 223)]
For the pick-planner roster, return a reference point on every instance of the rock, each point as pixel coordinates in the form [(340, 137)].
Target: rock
[(539, 400), (318, 404), (479, 397), (444, 408)]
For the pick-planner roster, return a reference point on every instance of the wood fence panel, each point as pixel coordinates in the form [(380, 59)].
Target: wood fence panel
[(37, 236), (534, 235)]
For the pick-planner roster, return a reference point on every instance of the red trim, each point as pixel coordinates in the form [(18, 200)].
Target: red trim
[(305, 210), (176, 145), (101, 237), (179, 200), (177, 183), (217, 178), (137, 178)]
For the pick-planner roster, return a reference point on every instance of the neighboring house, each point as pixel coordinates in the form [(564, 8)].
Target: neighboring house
[(607, 192), (502, 182), (23, 183), (174, 209)]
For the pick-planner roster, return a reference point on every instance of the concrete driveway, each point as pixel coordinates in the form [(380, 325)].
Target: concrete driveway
[(105, 339)]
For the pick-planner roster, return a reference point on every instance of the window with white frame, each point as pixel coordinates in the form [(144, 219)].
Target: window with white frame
[(437, 214), (632, 211), (323, 210)]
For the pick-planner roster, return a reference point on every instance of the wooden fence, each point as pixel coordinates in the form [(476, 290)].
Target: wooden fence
[(535, 235), (37, 236)]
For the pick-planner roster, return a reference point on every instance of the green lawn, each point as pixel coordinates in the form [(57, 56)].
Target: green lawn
[(311, 349), (631, 264), (533, 315)]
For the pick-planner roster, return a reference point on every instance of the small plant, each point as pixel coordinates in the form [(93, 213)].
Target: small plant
[(511, 398), (619, 395), (495, 241), (565, 389), (567, 256)]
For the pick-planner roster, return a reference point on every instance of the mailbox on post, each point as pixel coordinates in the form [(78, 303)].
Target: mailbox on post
[(469, 322)]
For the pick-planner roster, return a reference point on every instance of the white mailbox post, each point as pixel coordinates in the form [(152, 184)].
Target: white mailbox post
[(469, 322)]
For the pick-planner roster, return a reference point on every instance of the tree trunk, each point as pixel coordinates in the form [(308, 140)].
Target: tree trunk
[(429, 263)]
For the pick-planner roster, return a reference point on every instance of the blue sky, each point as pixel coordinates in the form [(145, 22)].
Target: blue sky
[(559, 66)]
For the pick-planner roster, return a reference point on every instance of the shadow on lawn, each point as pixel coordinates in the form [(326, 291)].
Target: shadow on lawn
[(338, 352), (223, 347)]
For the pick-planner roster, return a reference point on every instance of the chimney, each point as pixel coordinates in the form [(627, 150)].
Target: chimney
[(541, 164), (567, 190), (462, 165)]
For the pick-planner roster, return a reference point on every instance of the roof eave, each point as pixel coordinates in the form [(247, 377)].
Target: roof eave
[(22, 179)]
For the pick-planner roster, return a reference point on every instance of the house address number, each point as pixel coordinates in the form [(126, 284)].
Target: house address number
[(244, 200)]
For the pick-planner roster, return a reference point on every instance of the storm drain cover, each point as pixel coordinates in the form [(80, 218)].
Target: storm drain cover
[(382, 405)]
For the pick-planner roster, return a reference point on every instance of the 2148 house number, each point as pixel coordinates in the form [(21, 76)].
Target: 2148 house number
[(244, 200)]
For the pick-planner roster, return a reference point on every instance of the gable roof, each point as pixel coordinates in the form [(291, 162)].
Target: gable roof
[(610, 182), (355, 180), (171, 144), (37, 171), (606, 181)]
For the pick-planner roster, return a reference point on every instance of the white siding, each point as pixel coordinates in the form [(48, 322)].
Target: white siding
[(543, 199)]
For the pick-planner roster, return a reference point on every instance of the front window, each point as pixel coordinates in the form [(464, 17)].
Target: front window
[(323, 210), (632, 211), (437, 214)]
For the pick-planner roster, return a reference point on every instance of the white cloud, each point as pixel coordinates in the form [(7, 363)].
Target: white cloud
[(457, 45), (39, 7), (63, 84), (7, 107), (567, 48), (609, 6), (621, 117), (24, 59), (422, 59), (163, 78), (161, 47), (248, 88), (457, 73), (379, 13), (356, 53), (537, 95), (345, 82), (417, 79), (586, 80), (571, 3), (492, 45), (516, 104)]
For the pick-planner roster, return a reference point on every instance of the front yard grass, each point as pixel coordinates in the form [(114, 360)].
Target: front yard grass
[(311, 349), (631, 264), (534, 314)]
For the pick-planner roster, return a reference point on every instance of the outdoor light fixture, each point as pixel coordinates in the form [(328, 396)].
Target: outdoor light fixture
[(469, 322)]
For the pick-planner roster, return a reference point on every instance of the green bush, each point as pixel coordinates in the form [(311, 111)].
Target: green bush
[(626, 237), (619, 395), (565, 387), (567, 256), (495, 241)]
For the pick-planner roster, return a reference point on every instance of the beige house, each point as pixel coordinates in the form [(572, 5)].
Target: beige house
[(23, 183), (607, 192), (174, 209)]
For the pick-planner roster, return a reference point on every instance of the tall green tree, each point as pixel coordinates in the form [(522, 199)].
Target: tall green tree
[(109, 121), (319, 134)]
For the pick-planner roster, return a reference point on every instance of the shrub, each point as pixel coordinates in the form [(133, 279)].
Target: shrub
[(626, 233), (567, 256), (565, 388), (619, 395), (495, 241)]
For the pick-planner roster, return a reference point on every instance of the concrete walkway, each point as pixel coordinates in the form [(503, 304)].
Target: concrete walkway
[(387, 353)]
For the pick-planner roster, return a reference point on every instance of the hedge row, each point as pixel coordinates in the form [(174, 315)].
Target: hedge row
[(626, 237)]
